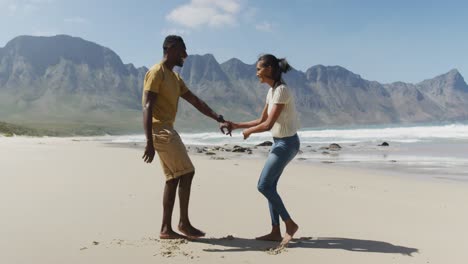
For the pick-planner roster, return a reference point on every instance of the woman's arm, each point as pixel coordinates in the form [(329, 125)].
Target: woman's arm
[(267, 124), (252, 123)]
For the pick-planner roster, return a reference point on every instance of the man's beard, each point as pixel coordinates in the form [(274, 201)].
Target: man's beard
[(180, 63)]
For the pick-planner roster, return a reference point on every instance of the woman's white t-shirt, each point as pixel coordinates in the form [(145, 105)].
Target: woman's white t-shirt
[(287, 123)]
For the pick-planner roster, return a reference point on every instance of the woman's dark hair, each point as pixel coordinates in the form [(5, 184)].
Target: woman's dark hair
[(278, 66)]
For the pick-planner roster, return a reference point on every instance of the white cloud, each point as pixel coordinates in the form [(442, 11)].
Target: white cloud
[(230, 6), (21, 7), (174, 31), (212, 13), (41, 1), (250, 14), (76, 20), (264, 26), (44, 33)]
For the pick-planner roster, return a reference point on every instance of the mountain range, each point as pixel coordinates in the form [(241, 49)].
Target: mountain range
[(72, 86)]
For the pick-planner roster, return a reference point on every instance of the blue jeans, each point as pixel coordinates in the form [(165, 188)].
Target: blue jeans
[(282, 152)]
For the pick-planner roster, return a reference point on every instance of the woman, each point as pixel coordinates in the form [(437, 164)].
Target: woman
[(278, 116)]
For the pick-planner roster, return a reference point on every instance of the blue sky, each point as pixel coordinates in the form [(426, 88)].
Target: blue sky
[(384, 40)]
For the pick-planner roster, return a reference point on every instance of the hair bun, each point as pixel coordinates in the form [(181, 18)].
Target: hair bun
[(284, 65)]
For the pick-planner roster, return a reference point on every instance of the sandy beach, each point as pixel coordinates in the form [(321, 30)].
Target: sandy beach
[(69, 200)]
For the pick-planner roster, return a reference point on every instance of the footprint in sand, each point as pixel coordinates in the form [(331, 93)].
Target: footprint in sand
[(171, 248), (277, 250)]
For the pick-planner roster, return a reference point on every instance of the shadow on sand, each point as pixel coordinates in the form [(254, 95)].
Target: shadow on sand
[(357, 245)]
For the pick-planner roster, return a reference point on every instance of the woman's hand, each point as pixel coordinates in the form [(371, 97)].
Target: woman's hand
[(246, 133)]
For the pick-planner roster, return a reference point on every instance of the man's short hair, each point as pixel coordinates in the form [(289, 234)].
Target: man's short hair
[(170, 41)]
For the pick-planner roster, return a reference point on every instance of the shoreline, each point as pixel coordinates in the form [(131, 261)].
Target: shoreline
[(394, 160), (390, 165)]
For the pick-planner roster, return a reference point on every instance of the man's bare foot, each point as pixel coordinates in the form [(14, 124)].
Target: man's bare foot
[(271, 237), (171, 235), (275, 234), (291, 229), (191, 231)]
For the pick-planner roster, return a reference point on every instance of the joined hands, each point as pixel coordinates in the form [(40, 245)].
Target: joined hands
[(228, 125)]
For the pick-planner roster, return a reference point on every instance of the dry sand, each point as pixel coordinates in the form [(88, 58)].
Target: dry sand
[(74, 201)]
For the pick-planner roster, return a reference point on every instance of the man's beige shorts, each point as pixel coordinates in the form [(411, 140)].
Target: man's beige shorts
[(172, 153)]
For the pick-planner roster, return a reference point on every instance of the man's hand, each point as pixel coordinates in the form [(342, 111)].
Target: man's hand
[(226, 125), (149, 153)]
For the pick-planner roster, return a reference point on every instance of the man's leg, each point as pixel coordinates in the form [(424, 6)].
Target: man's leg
[(185, 226), (170, 190)]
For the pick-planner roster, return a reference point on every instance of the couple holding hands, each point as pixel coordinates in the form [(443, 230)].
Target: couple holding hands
[(161, 92)]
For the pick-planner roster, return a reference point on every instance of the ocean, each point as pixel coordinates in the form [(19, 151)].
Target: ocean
[(437, 150)]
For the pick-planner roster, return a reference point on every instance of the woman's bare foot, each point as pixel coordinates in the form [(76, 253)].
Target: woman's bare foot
[(190, 231), (275, 235), (170, 235), (291, 229)]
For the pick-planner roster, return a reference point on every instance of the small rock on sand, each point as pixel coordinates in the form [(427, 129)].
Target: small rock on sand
[(265, 144), (241, 149), (334, 147)]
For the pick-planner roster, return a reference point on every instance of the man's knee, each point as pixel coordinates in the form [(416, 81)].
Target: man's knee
[(172, 182), (187, 178), (188, 175)]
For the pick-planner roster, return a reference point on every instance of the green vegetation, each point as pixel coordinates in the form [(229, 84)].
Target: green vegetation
[(63, 130), (10, 130)]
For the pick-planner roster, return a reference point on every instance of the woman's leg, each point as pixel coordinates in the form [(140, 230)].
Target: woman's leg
[(276, 161), (283, 151), (267, 186)]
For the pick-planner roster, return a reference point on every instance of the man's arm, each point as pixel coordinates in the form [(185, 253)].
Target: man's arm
[(201, 106), (149, 100)]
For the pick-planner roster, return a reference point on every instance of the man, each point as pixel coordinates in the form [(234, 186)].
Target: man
[(161, 92)]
